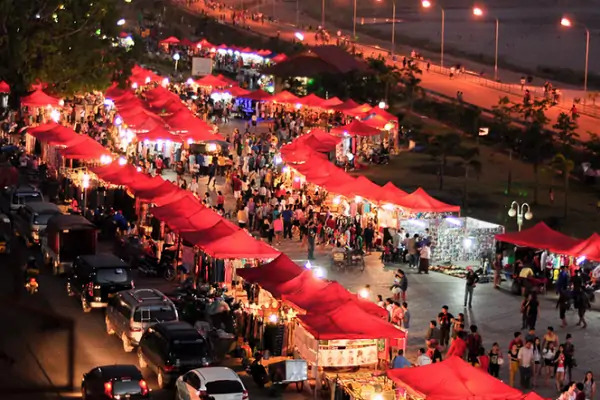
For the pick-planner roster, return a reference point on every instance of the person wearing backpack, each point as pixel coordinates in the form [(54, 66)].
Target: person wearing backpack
[(474, 343)]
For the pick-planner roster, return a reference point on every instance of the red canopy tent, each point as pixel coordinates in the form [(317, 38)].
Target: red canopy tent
[(170, 40), (204, 44), (323, 299), (452, 379), (540, 236), (240, 245), (421, 201), (334, 101), (590, 248), (299, 152), (119, 175), (391, 194), (345, 106), (279, 58), (86, 149), (4, 87), (349, 321), (184, 206), (383, 113), (356, 128), (53, 133), (165, 188), (187, 42), (159, 134), (312, 100), (211, 81), (306, 279), (226, 79), (202, 237), (377, 121), (320, 141), (39, 99), (281, 269), (286, 97), (259, 95), (141, 75), (357, 111)]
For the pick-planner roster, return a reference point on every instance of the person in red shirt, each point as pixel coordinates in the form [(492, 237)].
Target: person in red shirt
[(483, 360), (458, 346), (220, 201), (518, 340)]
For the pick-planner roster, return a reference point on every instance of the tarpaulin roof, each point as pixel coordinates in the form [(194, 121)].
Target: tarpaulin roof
[(119, 175), (324, 298), (53, 133), (391, 194), (345, 106), (39, 99), (170, 40), (240, 245), (279, 58), (204, 43), (165, 188), (286, 97), (452, 379), (259, 95), (356, 128), (159, 133), (349, 321), (383, 113), (227, 79), (312, 100), (184, 206), (187, 42), (540, 236), (235, 91), (421, 201), (333, 101), (217, 229), (281, 269), (320, 141), (377, 121), (306, 279), (590, 248), (357, 111), (4, 87), (86, 149), (211, 81), (298, 152), (140, 75)]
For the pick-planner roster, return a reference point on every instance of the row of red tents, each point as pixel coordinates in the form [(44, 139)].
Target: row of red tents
[(541, 236), (205, 44), (73, 145), (304, 155), (326, 308)]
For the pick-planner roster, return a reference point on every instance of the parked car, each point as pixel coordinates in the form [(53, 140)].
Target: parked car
[(32, 219), (220, 383), (18, 196), (131, 312), (170, 349), (67, 237), (114, 382), (96, 278)]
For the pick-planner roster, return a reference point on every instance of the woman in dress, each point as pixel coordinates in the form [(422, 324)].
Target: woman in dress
[(589, 386)]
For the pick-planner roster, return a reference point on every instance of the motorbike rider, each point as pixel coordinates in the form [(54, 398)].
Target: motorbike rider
[(30, 269)]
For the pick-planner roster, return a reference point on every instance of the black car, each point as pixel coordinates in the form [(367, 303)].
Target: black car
[(171, 349), (114, 382), (96, 278)]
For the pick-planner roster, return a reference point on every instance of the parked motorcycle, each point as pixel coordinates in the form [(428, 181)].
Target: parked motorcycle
[(32, 286), (153, 267)]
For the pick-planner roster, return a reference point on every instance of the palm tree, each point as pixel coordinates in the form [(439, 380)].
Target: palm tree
[(565, 166), (470, 162), (442, 146)]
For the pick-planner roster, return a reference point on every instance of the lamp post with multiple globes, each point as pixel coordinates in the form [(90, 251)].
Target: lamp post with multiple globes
[(520, 211)]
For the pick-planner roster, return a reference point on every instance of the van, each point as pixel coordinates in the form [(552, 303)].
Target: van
[(22, 195), (131, 312), (97, 278), (32, 219)]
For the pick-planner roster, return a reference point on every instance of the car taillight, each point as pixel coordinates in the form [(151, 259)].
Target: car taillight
[(108, 389), (144, 387), (91, 290), (133, 329), (32, 281), (169, 368), (245, 395)]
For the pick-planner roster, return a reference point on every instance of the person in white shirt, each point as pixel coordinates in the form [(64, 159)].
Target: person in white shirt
[(422, 358)]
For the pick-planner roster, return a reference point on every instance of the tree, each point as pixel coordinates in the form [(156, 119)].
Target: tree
[(441, 147), (593, 145), (470, 162), (70, 45), (565, 127), (502, 119), (410, 80), (536, 143), (565, 166)]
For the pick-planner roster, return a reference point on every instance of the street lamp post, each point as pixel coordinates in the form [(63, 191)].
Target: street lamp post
[(478, 12), (393, 27), (354, 23), (176, 57), (518, 210), (323, 14), (85, 184), (567, 23), (427, 4)]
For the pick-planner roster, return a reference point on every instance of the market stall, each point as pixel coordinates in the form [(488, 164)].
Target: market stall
[(450, 379)]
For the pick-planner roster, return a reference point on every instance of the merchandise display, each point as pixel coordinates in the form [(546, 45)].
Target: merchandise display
[(360, 385)]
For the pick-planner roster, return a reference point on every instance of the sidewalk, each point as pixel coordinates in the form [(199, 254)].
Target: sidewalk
[(477, 91)]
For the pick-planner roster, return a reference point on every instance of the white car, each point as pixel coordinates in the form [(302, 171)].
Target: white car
[(221, 383)]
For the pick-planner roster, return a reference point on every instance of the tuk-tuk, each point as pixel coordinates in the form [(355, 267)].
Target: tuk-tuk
[(67, 237), (5, 234)]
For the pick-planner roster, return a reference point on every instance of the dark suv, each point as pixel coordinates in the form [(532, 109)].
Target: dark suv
[(114, 382), (96, 278), (171, 349)]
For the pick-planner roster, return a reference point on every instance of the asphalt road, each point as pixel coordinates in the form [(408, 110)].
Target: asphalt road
[(37, 339)]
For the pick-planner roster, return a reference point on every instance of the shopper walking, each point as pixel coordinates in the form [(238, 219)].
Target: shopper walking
[(569, 349), (497, 270), (496, 360), (474, 343), (526, 364), (530, 312), (589, 386), (582, 304), (424, 256), (513, 366), (444, 320), (471, 282)]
